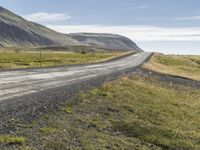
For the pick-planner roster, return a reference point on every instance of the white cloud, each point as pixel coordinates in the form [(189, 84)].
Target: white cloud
[(136, 33), (196, 17), (136, 8), (196, 12), (47, 17)]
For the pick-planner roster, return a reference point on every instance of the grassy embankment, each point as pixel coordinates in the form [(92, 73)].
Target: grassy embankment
[(11, 59), (184, 66), (129, 113)]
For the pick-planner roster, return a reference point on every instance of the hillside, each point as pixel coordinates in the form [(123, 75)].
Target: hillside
[(16, 31), (107, 41), (182, 66)]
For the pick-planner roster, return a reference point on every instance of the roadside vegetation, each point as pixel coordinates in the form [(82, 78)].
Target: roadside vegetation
[(133, 112), (183, 66), (9, 140), (21, 58)]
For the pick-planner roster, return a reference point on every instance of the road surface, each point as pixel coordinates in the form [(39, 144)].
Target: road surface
[(14, 84)]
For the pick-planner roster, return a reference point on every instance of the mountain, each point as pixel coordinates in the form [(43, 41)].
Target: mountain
[(107, 41), (16, 31)]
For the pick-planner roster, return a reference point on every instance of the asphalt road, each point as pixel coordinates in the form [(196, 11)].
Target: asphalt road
[(18, 83)]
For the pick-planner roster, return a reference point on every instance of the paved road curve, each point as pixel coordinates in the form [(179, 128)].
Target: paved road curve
[(14, 84)]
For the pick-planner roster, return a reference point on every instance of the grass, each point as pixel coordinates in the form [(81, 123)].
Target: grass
[(185, 66), (132, 112), (28, 59), (68, 109), (47, 130), (11, 140)]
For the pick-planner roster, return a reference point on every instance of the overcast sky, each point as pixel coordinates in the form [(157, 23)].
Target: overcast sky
[(168, 26)]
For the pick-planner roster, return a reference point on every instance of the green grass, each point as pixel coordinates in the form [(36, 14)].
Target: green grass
[(185, 66), (29, 59), (68, 109), (129, 113), (11, 140), (47, 130)]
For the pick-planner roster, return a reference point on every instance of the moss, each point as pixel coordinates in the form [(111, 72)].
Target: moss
[(11, 140), (23, 148), (68, 109), (55, 145), (48, 130)]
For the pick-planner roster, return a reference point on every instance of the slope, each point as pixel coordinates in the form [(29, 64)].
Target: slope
[(107, 41), (16, 31)]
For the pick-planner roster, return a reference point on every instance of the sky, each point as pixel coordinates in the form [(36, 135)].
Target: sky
[(167, 26)]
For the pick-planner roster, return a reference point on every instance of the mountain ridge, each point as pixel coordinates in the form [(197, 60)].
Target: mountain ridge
[(106, 40), (16, 31)]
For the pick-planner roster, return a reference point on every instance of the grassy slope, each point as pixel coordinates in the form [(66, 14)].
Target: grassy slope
[(28, 59), (185, 66), (128, 113)]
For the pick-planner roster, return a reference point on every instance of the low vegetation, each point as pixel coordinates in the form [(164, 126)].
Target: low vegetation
[(185, 66), (47, 130), (135, 112), (10, 59), (11, 140)]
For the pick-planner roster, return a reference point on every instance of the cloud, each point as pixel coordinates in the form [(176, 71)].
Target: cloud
[(196, 12), (139, 7), (47, 17), (137, 33), (196, 17), (136, 8)]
